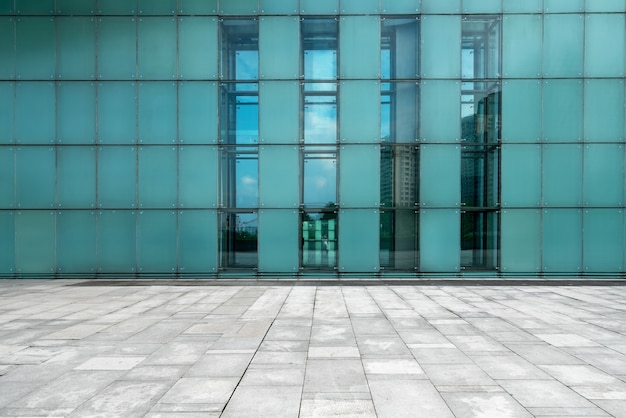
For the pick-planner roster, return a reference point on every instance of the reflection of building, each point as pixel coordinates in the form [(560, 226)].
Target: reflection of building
[(238, 137)]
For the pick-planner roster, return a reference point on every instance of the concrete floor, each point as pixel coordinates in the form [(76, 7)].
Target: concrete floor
[(70, 350)]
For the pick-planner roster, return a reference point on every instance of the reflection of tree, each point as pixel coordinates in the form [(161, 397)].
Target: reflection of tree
[(329, 211)]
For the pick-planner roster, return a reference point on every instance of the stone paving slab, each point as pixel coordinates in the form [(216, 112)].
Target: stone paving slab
[(73, 348)]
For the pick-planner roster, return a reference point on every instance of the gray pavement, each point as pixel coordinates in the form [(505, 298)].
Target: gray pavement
[(68, 350)]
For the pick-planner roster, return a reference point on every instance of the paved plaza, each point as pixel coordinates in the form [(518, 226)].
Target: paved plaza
[(84, 349)]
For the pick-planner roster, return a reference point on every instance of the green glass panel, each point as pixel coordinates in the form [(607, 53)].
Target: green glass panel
[(278, 47), (117, 177), (279, 112), (7, 47), (195, 7), (117, 113), (359, 42), (156, 241), (117, 241), (244, 7), (603, 240), (526, 6), (441, 111), (521, 175), (35, 48), (603, 178), (359, 180), (76, 241), (604, 45), (400, 6), (439, 240), (522, 46), (34, 242), (197, 48), (562, 175), (441, 46), (117, 51), (34, 113), (441, 6), (359, 6), (7, 113), (7, 7), (520, 242), (605, 5), (76, 7), (279, 176), (521, 118), (482, 6), (563, 45), (76, 177), (157, 177), (279, 6), (35, 177), (7, 242), (561, 241), (563, 110), (604, 113), (359, 240), (7, 173), (197, 241), (278, 241), (76, 113), (157, 7), (156, 48), (557, 6), (34, 7), (117, 7), (324, 7), (198, 177), (359, 111), (197, 113), (440, 175), (157, 113), (76, 43)]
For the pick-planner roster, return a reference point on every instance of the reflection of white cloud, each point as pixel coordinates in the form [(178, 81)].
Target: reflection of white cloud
[(320, 182), (320, 124), (248, 181)]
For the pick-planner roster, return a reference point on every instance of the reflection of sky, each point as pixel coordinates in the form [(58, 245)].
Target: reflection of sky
[(320, 181), (320, 123), (320, 64), (247, 120), (247, 65), (247, 183)]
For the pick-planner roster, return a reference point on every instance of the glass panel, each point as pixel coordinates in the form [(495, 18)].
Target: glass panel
[(604, 45), (521, 175), (34, 242), (604, 114), (521, 241), (34, 113), (400, 6), (603, 238), (156, 241), (439, 240), (562, 175), (117, 7), (279, 6), (197, 113), (76, 177), (319, 6), (76, 241), (562, 240), (117, 241), (479, 240), (117, 113), (398, 176), (319, 239), (603, 178), (320, 179), (278, 46), (239, 113), (7, 48), (319, 46), (439, 6), (76, 45), (439, 175), (197, 241), (7, 173), (7, 242), (562, 110), (239, 53), (157, 113), (440, 104), (360, 235), (516, 6), (398, 240), (441, 46), (240, 177), (238, 7), (359, 6), (521, 122), (117, 177), (482, 6), (278, 241), (399, 48), (359, 183), (34, 7), (360, 46), (117, 52), (195, 7), (555, 6), (605, 6), (480, 47), (279, 112), (7, 113), (157, 177), (399, 112), (156, 53), (563, 45), (481, 112), (157, 7), (35, 177), (279, 176), (479, 176), (360, 111), (238, 239), (522, 38), (76, 113), (7, 7), (198, 171), (75, 7), (197, 48)]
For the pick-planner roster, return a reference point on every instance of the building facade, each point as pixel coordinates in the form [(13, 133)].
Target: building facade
[(237, 138)]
